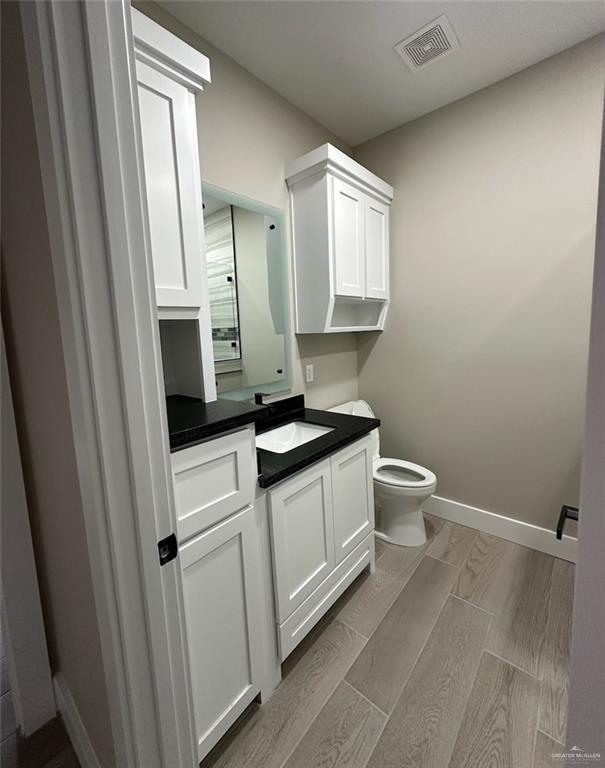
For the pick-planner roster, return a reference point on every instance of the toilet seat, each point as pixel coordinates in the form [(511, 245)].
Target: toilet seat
[(400, 489), (405, 475), (425, 478)]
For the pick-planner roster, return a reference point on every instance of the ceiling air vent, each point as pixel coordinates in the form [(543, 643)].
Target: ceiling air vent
[(433, 41)]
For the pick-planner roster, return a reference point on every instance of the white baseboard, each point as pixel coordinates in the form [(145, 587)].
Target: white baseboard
[(74, 725), (517, 531)]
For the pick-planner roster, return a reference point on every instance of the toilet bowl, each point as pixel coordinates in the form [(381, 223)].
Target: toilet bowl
[(400, 490)]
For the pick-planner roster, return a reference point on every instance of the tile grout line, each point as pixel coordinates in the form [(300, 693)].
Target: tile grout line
[(539, 712), (542, 665), (415, 563), (474, 680), (332, 692), (382, 712), (388, 715), (419, 560), (441, 560), (380, 732), (348, 626), (468, 602), (461, 566), (472, 546), (541, 660), (383, 726), (533, 757), (505, 661), (419, 654), (539, 730), (515, 666)]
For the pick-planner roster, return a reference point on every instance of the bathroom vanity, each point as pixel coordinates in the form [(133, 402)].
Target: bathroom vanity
[(268, 539)]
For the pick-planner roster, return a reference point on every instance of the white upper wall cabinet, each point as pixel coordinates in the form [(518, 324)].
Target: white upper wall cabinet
[(340, 228), (173, 196), (169, 74)]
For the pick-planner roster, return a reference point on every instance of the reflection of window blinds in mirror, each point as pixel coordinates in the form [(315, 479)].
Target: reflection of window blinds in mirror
[(222, 286)]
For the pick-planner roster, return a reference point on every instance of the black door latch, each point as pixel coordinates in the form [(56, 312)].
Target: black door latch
[(168, 549)]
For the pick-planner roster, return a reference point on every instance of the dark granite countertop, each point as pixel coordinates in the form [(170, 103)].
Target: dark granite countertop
[(274, 467), (190, 421)]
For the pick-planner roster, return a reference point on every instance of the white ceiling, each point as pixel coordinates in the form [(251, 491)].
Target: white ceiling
[(335, 60)]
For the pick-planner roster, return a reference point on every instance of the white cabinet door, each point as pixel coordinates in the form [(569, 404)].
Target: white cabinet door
[(377, 249), (222, 614), (348, 239), (170, 158), (303, 536), (353, 496)]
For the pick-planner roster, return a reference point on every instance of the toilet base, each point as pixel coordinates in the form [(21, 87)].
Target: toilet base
[(399, 518), (411, 534)]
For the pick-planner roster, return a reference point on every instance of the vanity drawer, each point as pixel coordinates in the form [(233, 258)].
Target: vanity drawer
[(213, 480), (304, 618)]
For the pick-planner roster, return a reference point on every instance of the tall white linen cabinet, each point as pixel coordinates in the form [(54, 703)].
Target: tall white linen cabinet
[(169, 75)]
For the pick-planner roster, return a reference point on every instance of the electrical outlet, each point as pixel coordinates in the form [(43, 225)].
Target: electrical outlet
[(308, 373)]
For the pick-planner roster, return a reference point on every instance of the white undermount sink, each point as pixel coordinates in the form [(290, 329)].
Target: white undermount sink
[(289, 436)]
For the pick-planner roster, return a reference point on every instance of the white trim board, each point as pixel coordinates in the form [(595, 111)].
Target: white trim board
[(74, 725), (80, 58), (508, 528)]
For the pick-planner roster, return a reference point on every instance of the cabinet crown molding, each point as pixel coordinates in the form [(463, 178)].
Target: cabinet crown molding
[(329, 158), (167, 53)]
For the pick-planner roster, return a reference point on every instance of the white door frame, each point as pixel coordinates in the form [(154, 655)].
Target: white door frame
[(82, 77), (587, 711)]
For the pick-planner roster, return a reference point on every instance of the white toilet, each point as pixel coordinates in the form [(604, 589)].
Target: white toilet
[(400, 489)]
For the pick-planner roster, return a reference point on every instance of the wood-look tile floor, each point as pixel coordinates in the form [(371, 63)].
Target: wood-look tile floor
[(452, 655)]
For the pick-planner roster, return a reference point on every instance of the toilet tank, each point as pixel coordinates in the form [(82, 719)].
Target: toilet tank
[(361, 408)]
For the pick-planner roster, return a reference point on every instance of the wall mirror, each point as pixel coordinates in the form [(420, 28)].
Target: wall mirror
[(246, 262)]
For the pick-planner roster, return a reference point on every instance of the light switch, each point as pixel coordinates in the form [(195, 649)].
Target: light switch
[(308, 373)]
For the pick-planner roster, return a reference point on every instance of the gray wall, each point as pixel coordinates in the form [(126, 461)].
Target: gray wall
[(248, 133), (35, 358), (480, 373)]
